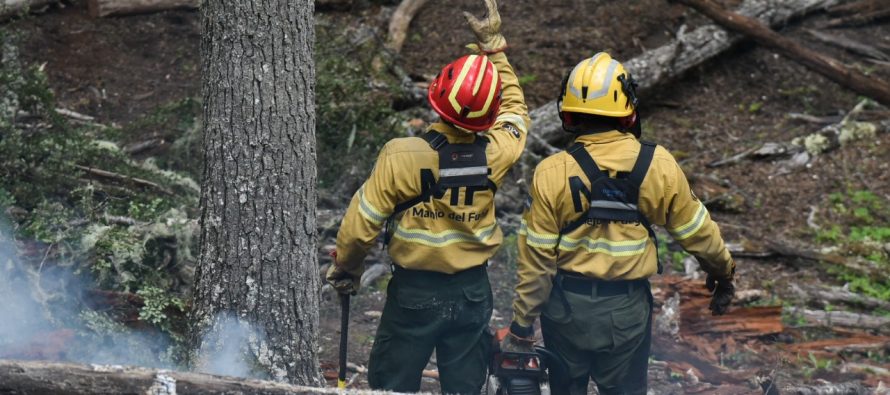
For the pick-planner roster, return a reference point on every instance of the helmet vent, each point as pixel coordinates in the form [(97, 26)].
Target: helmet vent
[(442, 93), (451, 73), (615, 96)]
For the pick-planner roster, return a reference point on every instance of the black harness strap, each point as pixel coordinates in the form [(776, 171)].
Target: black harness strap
[(588, 165), (636, 177), (459, 158), (641, 167)]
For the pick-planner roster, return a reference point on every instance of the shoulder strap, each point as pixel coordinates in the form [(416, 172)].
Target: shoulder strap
[(435, 139), (588, 165), (641, 167)]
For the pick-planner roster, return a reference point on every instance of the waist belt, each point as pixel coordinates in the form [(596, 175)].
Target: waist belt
[(429, 275), (579, 284)]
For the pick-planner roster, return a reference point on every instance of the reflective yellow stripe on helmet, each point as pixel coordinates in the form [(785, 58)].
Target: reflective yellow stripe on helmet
[(452, 98), (688, 229), (442, 239)]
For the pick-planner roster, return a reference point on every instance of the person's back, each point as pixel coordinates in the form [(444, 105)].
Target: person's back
[(587, 246), (434, 195)]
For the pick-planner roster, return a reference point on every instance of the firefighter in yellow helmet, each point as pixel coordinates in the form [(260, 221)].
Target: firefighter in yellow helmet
[(586, 245), (434, 195)]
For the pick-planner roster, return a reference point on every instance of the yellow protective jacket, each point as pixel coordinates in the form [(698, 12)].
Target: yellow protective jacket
[(434, 235), (611, 251)]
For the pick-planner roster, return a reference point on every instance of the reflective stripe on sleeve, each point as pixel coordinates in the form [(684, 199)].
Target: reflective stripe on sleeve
[(367, 210), (538, 240), (445, 238), (690, 228), (514, 119), (613, 248)]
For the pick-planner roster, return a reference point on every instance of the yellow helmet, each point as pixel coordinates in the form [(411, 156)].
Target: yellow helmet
[(598, 85)]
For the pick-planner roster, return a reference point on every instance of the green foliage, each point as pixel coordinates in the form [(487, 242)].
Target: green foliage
[(527, 79), (157, 302), (354, 115), (858, 229), (73, 213)]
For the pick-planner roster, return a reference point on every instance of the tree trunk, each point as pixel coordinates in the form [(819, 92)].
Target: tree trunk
[(689, 50), (100, 8), (258, 263)]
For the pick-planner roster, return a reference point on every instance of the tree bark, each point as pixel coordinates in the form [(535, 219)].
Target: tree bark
[(827, 66), (37, 377), (102, 8), (689, 50), (10, 8), (258, 260)]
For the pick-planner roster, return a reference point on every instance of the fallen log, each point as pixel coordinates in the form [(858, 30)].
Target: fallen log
[(103, 8), (827, 66), (400, 21), (860, 19), (822, 295), (11, 8), (852, 46), (35, 377), (825, 389), (690, 49), (857, 7), (841, 318), (860, 343)]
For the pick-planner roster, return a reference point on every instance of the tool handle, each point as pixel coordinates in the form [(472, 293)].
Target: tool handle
[(344, 331)]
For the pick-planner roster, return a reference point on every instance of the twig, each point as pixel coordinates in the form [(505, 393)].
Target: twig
[(122, 178), (733, 159), (42, 261), (75, 115)]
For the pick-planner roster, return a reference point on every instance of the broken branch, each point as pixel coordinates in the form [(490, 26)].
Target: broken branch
[(122, 178), (400, 21), (823, 64)]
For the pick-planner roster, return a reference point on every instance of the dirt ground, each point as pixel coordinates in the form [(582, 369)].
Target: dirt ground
[(119, 69)]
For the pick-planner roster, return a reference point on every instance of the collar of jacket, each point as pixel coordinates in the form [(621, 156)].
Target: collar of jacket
[(453, 134), (603, 137)]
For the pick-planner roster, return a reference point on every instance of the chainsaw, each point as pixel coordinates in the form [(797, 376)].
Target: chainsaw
[(523, 373)]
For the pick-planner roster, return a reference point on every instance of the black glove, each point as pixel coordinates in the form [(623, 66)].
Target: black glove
[(519, 339), (723, 292)]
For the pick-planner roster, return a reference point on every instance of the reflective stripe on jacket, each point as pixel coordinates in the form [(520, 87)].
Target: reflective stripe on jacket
[(435, 235), (608, 251)]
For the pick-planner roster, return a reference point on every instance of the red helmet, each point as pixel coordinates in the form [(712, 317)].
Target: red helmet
[(467, 93)]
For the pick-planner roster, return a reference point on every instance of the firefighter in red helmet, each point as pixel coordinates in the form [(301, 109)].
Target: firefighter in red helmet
[(432, 197)]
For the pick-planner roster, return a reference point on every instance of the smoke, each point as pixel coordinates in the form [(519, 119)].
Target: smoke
[(43, 316), (225, 349)]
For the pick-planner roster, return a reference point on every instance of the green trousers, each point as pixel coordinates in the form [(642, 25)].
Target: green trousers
[(428, 311), (605, 338)]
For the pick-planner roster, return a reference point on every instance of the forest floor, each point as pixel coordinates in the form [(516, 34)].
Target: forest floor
[(120, 69)]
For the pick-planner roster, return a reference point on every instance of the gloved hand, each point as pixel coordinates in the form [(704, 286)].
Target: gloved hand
[(518, 339), (488, 30), (342, 281), (723, 292)]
